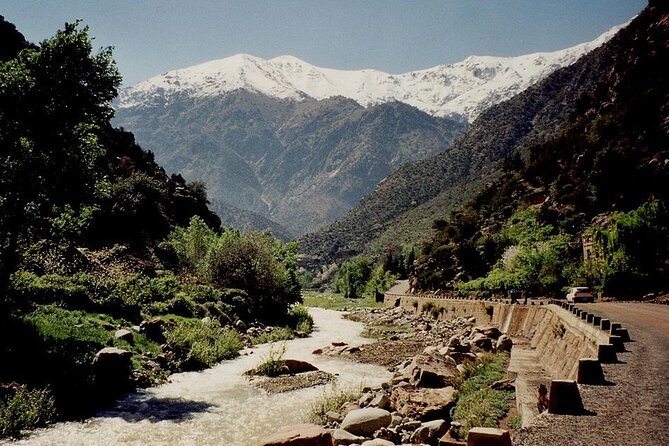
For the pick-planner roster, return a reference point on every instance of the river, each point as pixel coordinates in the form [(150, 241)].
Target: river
[(219, 406)]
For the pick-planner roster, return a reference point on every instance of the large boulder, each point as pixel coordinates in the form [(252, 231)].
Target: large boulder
[(489, 332), (293, 366), (299, 435), (153, 329), (344, 438), (365, 422), (424, 404), (112, 370), (504, 344), (430, 371)]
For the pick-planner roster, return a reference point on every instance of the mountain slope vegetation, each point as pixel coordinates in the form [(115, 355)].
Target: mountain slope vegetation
[(299, 163), (400, 210), (588, 204)]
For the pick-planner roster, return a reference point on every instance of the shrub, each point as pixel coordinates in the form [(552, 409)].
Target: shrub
[(332, 399), (26, 409), (198, 345), (273, 364), (300, 319)]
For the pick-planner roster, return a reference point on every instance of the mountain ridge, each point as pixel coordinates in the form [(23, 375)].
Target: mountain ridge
[(464, 88)]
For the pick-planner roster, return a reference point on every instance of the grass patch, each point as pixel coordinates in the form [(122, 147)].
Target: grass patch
[(478, 405), (26, 409), (272, 365), (277, 334), (336, 301), (199, 345), (332, 399), (515, 421)]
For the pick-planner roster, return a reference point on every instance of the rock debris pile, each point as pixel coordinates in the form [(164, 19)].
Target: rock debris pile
[(414, 406)]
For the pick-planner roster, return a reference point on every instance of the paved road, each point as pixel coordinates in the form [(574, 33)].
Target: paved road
[(633, 411)]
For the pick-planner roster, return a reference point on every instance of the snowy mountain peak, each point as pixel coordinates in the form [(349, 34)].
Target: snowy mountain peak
[(465, 88)]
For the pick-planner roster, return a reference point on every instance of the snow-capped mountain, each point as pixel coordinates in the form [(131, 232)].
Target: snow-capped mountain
[(465, 88)]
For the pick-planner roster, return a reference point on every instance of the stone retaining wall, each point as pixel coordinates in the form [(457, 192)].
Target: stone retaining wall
[(559, 337)]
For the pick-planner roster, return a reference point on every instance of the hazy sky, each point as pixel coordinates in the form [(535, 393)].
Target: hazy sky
[(153, 36)]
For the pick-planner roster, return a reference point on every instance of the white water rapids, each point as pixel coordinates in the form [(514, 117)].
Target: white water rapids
[(219, 406)]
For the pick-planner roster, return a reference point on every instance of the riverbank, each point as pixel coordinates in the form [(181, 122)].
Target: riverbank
[(219, 405)]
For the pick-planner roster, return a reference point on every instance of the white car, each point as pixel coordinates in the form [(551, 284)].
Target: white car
[(580, 294)]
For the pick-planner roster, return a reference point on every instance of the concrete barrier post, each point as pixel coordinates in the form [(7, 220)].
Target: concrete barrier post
[(565, 398), (606, 353), (488, 436), (623, 333), (590, 318), (615, 326), (596, 320), (584, 315), (605, 325), (590, 371), (617, 343)]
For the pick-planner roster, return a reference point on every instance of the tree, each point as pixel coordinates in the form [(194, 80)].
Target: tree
[(54, 102), (352, 277)]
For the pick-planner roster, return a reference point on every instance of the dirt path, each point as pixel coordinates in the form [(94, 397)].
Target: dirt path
[(633, 411)]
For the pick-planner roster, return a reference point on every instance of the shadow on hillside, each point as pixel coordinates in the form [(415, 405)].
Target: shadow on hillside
[(157, 409)]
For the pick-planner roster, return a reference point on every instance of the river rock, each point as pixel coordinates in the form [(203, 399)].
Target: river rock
[(380, 400), (482, 341), (437, 428), (153, 329), (489, 332), (112, 370), (299, 435), (423, 404), (124, 335), (293, 366), (430, 371), (420, 435), (366, 421), (504, 344), (342, 437)]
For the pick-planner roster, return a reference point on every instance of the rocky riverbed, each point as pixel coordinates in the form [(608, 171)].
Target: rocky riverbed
[(427, 358)]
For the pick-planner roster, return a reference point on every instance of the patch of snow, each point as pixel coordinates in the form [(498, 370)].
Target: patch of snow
[(465, 88)]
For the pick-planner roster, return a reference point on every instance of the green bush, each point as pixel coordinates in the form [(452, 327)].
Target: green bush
[(300, 319), (272, 365), (198, 344), (255, 262), (352, 277), (26, 409)]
